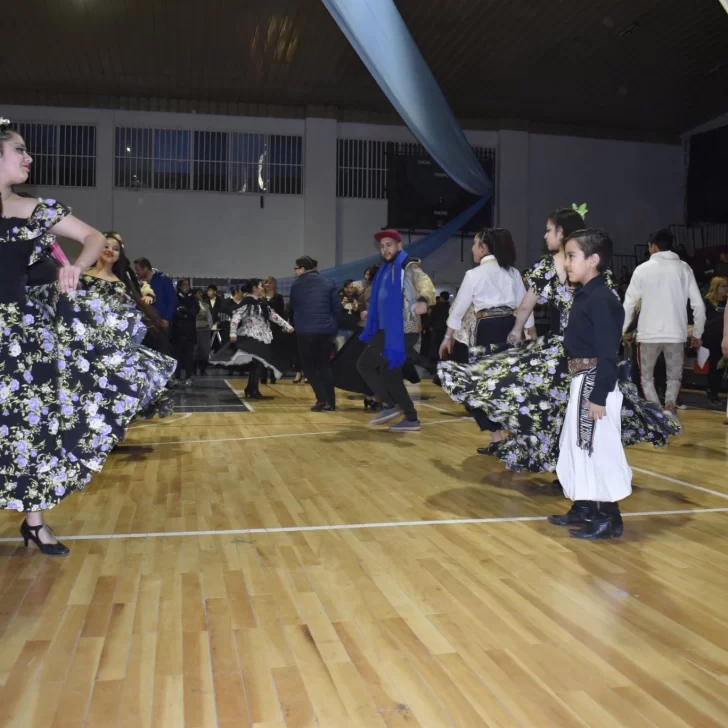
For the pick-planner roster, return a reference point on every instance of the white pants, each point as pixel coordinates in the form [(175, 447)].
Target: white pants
[(648, 354), (604, 475)]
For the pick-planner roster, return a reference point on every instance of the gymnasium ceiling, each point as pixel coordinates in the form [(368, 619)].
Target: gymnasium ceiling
[(631, 68)]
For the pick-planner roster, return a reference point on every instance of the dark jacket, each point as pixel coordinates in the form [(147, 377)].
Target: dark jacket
[(713, 334), (217, 309), (185, 320), (315, 304), (166, 302), (278, 304)]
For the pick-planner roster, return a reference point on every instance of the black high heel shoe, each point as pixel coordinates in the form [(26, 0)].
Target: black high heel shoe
[(30, 533), (255, 395)]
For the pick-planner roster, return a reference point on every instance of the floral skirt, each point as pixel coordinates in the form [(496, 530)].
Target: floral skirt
[(526, 389), (72, 379)]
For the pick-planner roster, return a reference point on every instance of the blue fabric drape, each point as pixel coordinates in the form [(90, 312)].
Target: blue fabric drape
[(419, 249), (378, 34)]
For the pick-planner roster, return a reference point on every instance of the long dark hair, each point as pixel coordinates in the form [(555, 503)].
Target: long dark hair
[(567, 220), (253, 304), (500, 245), (125, 273), (5, 132)]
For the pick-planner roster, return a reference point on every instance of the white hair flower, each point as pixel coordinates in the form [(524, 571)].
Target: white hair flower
[(4, 121)]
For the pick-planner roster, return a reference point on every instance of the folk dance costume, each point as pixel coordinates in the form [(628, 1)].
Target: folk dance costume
[(67, 389), (251, 324), (492, 294), (525, 389), (114, 325), (592, 466)]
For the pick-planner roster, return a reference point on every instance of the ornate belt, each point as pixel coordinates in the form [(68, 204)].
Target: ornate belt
[(494, 312), (581, 365)]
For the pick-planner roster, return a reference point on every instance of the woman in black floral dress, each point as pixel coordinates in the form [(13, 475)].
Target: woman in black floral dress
[(526, 388), (39, 465), (109, 303)]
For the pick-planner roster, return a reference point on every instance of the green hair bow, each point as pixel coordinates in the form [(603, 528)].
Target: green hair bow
[(582, 209)]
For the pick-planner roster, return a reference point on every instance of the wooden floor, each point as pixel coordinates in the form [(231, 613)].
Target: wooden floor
[(285, 569)]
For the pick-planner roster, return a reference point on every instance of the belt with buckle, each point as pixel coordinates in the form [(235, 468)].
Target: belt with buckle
[(494, 312), (581, 365)]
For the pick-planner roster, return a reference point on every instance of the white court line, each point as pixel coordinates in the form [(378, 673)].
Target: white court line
[(439, 409), (164, 421), (208, 406), (236, 393), (682, 482), (355, 526), (363, 428)]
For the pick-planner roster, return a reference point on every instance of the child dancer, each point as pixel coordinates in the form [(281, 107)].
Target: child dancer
[(592, 467)]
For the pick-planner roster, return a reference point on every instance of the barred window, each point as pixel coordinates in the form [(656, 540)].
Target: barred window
[(210, 170), (64, 155), (361, 168), (208, 161), (152, 158), (361, 165), (248, 162)]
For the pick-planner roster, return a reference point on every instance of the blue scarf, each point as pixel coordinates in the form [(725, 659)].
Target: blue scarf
[(389, 276)]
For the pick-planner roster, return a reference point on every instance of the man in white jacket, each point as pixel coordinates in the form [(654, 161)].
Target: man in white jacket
[(664, 284)]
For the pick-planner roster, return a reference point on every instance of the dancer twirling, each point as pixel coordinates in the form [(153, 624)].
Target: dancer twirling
[(38, 466), (494, 290), (109, 303), (525, 389), (251, 338)]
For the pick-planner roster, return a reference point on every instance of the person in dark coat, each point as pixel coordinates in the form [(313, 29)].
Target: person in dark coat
[(184, 331), (164, 303), (316, 308)]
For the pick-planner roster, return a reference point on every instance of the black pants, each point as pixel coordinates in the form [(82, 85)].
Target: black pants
[(254, 377), (387, 383), (314, 351), (183, 346), (436, 339), (491, 331), (715, 375)]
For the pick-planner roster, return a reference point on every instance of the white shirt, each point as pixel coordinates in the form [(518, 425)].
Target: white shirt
[(664, 284), (488, 286)]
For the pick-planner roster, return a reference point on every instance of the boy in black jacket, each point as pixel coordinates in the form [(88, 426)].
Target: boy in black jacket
[(592, 467)]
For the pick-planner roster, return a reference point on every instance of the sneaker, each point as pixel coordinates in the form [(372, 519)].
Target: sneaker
[(406, 426), (670, 413), (387, 414)]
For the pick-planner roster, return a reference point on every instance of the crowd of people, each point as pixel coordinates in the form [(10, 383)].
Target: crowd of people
[(90, 346)]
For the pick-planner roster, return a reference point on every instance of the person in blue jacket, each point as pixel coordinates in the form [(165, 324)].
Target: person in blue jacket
[(315, 306), (165, 303)]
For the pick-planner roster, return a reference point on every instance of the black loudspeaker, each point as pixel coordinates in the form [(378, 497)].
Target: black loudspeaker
[(707, 188), (422, 197)]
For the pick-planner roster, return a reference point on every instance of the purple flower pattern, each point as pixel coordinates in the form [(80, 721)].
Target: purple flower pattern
[(526, 388), (50, 372)]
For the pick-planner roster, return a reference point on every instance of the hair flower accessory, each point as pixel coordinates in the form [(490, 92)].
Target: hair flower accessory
[(4, 121), (582, 209)]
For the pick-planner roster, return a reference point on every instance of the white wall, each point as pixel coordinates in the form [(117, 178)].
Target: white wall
[(209, 234), (631, 188)]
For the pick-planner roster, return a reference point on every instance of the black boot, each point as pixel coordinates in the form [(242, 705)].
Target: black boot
[(605, 522), (580, 512)]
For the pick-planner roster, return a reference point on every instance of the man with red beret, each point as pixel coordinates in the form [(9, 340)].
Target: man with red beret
[(401, 293)]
